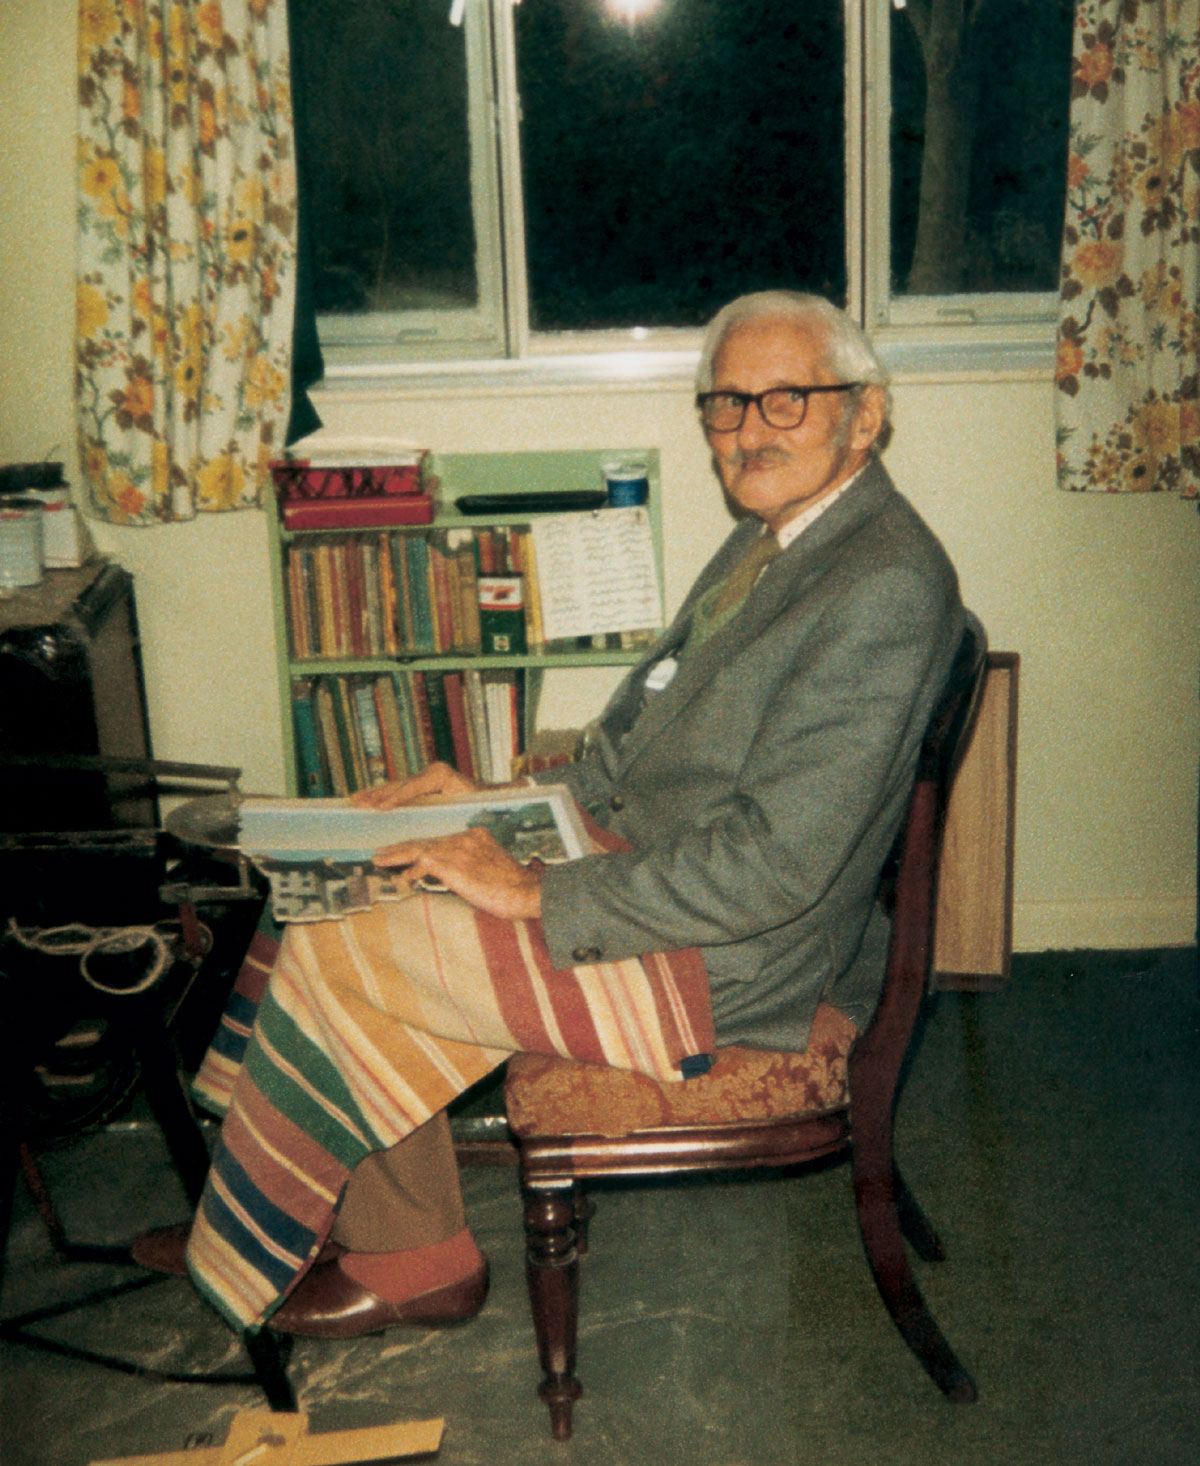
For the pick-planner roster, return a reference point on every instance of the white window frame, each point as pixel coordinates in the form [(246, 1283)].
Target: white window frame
[(969, 331), (1003, 327), (382, 339)]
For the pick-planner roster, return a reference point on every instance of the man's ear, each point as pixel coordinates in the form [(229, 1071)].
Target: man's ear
[(868, 419)]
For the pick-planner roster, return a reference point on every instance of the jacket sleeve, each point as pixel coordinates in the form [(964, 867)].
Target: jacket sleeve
[(586, 778), (822, 786)]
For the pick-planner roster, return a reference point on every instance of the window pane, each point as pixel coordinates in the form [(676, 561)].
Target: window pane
[(381, 121), (673, 162), (979, 148)]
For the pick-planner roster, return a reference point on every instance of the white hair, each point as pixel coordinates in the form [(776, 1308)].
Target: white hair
[(848, 353)]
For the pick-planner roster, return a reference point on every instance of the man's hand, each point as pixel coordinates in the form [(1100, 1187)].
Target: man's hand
[(475, 866), (436, 778)]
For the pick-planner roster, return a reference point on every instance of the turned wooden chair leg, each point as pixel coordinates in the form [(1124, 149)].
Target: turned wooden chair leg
[(584, 1209), (880, 1210), (552, 1271)]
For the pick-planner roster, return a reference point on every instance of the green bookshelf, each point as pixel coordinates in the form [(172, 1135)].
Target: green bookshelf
[(458, 475)]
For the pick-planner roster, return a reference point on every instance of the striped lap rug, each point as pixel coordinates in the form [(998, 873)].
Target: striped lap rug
[(346, 1035)]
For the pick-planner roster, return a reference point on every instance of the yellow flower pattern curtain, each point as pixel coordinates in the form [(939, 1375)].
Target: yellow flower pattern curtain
[(1128, 398), (186, 253)]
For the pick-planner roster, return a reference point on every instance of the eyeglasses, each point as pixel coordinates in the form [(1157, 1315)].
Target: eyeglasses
[(781, 407)]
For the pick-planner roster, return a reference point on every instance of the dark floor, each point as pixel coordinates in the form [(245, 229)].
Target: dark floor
[(1051, 1132)]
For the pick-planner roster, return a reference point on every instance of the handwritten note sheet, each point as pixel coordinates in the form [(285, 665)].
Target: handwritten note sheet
[(596, 572)]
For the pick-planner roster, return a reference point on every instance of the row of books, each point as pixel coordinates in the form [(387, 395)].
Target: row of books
[(421, 593), (367, 728)]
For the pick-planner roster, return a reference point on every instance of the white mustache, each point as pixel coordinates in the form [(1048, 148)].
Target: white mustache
[(767, 457)]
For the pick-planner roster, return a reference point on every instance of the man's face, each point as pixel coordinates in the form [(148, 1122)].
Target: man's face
[(776, 473)]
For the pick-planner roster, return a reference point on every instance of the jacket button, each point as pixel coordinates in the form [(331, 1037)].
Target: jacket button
[(617, 802), (586, 954)]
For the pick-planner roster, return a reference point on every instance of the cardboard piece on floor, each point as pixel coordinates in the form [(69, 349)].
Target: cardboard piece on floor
[(272, 1438)]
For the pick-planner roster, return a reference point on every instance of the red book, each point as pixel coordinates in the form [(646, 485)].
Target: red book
[(360, 513), (460, 733)]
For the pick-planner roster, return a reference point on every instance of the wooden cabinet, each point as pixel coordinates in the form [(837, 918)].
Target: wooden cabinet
[(71, 683)]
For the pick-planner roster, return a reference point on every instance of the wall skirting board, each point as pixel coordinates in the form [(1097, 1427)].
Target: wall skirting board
[(1044, 926)]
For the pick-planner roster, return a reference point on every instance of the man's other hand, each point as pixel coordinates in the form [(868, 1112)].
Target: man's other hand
[(436, 778)]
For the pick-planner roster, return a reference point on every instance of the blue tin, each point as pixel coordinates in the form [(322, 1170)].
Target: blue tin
[(626, 489)]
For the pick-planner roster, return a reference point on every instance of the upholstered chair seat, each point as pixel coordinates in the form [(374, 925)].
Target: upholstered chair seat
[(551, 1096)]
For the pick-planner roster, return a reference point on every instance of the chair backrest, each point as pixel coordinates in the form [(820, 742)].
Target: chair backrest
[(911, 878)]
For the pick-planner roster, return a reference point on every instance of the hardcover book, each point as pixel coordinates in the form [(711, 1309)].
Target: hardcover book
[(372, 733), (502, 613), (310, 767), (421, 627), (330, 742), (460, 732), (439, 716), (391, 727)]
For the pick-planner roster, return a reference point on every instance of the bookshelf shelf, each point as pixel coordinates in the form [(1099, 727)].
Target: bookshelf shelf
[(444, 520), (416, 680), (454, 661)]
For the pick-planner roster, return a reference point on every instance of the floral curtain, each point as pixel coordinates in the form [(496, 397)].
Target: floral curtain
[(1128, 399), (187, 247)]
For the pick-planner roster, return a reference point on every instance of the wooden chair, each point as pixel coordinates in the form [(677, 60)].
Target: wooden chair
[(573, 1121)]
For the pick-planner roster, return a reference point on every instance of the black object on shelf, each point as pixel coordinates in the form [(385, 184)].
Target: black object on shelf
[(518, 503), (19, 478)]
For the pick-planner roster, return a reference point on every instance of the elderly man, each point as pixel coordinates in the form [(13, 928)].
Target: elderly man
[(755, 766)]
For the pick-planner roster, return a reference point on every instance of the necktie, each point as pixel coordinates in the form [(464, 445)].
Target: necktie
[(723, 601)]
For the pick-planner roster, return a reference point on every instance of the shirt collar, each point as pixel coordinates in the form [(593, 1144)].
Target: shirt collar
[(794, 528)]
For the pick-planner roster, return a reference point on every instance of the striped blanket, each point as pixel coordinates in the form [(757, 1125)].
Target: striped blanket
[(344, 1037)]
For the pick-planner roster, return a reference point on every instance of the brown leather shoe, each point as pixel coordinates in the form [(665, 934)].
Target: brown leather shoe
[(329, 1304), (162, 1249)]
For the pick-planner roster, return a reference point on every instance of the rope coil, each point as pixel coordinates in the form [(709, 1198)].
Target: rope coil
[(89, 943)]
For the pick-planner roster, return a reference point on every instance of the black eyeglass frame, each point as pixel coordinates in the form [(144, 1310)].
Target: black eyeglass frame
[(758, 398)]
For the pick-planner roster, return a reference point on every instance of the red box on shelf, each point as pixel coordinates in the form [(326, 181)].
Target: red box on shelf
[(299, 481), (358, 513)]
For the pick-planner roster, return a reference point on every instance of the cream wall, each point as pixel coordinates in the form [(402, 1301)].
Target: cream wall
[(1098, 595)]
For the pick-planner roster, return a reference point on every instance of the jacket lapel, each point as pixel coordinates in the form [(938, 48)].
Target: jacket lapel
[(781, 584)]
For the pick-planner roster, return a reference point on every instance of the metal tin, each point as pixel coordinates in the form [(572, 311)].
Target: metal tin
[(626, 485), (20, 542)]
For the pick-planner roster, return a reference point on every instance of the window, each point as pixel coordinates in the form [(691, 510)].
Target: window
[(522, 177), (672, 162), (976, 120), (399, 170)]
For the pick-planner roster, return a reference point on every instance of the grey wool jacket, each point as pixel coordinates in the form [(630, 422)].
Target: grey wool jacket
[(762, 789)]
